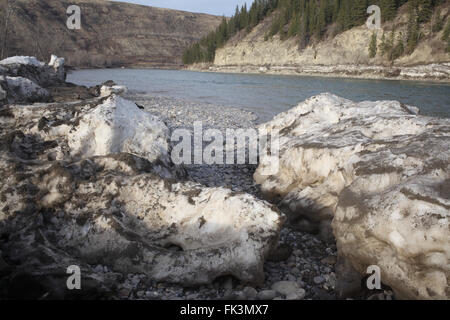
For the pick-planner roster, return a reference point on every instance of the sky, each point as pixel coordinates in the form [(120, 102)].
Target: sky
[(217, 7)]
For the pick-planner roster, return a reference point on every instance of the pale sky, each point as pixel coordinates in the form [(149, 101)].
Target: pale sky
[(217, 7)]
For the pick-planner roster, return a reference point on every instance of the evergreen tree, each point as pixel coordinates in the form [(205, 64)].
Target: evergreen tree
[(426, 11), (359, 12), (390, 43), (321, 22), (373, 46), (309, 19), (399, 48), (388, 10), (412, 36), (294, 27), (446, 36), (382, 47)]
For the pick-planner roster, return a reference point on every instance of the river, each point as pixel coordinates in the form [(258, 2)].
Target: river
[(268, 95)]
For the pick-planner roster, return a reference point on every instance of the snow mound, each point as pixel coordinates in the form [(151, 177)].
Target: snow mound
[(22, 60)]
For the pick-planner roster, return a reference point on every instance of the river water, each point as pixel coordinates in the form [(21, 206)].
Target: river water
[(268, 95)]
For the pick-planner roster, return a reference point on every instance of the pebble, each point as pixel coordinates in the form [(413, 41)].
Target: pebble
[(250, 292), (285, 288), (319, 280), (267, 295)]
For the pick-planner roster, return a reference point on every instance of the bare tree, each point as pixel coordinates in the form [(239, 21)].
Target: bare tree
[(8, 12)]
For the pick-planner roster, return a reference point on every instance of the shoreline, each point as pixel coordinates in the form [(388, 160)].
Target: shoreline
[(339, 71)]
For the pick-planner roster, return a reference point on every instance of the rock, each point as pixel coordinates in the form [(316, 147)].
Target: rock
[(152, 295), (228, 284), (32, 61), (381, 173), (22, 90), (267, 295), (285, 288), (2, 94), (250, 292), (318, 280), (331, 260), (300, 294), (282, 253), (38, 72), (117, 126), (106, 91), (58, 66), (119, 200)]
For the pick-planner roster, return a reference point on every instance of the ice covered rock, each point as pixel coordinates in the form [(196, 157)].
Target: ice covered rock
[(30, 68), (381, 172), (90, 183), (22, 90), (58, 66), (106, 91), (22, 60), (118, 125)]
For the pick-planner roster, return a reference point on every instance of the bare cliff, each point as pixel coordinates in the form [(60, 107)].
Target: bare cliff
[(344, 54), (111, 34)]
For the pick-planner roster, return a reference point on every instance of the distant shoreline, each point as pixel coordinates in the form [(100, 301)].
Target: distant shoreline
[(414, 73)]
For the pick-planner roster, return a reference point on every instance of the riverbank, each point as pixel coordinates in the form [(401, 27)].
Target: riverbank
[(439, 73), (92, 182)]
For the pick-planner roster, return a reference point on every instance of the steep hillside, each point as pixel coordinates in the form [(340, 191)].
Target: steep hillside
[(112, 34), (409, 39), (348, 47)]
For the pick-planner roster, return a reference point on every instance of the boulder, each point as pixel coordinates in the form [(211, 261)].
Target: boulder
[(106, 91), (34, 70), (58, 66), (380, 173), (22, 90)]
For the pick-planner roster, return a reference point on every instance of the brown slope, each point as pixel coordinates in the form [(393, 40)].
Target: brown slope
[(112, 34)]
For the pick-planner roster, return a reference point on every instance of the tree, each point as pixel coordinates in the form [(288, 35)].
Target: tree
[(373, 46), (446, 36), (412, 36), (359, 12), (294, 27), (321, 22), (9, 10), (399, 48), (426, 11), (382, 47), (388, 10)]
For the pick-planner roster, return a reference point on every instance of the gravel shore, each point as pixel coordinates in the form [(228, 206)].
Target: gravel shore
[(303, 266)]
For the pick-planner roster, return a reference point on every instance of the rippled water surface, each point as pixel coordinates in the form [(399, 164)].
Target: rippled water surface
[(268, 95)]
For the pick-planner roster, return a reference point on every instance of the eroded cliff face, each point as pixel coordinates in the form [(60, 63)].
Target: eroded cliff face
[(253, 53), (112, 33)]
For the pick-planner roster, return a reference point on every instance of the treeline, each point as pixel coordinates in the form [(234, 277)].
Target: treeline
[(310, 19), (243, 19), (395, 44)]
